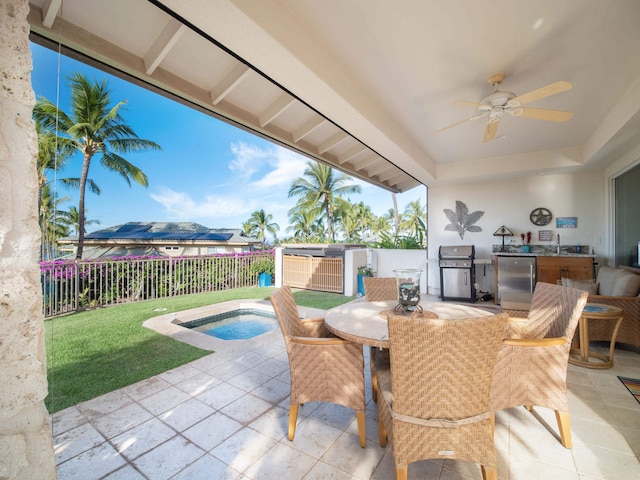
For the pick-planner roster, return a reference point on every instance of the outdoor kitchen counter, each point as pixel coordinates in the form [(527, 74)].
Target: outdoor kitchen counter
[(546, 267)]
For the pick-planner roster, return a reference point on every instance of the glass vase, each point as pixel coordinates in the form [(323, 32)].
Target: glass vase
[(408, 287)]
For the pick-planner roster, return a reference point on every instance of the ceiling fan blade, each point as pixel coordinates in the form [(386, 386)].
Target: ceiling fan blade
[(469, 104), (543, 114), (538, 93), (490, 131), (475, 117)]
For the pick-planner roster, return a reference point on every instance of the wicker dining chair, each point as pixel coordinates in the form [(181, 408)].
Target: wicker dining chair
[(324, 368), (532, 364), (436, 401), (379, 289)]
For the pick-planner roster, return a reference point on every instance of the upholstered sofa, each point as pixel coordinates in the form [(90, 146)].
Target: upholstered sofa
[(619, 287)]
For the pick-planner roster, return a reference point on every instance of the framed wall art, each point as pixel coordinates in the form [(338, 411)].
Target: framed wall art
[(566, 222)]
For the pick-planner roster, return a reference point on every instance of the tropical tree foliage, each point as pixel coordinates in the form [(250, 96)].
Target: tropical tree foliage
[(413, 220), (259, 224), (320, 191), (51, 218), (72, 219), (305, 225), (93, 127)]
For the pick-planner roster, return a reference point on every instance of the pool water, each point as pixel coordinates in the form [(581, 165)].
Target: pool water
[(235, 325)]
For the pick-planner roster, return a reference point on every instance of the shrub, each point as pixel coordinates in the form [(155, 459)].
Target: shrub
[(264, 265)]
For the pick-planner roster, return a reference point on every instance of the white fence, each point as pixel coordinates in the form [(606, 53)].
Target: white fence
[(71, 285)]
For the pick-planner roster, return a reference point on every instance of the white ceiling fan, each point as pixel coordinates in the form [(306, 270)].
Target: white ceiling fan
[(495, 105)]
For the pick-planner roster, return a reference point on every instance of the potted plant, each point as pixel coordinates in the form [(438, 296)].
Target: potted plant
[(265, 268), (363, 271), (526, 240)]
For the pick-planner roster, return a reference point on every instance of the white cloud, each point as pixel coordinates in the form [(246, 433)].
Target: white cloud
[(264, 176), (248, 158), (287, 166), (182, 206)]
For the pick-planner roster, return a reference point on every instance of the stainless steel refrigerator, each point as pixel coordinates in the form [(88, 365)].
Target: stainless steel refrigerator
[(516, 277)]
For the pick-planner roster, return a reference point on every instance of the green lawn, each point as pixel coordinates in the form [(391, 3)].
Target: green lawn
[(98, 351)]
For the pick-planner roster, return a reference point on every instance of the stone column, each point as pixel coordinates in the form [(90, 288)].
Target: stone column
[(26, 450)]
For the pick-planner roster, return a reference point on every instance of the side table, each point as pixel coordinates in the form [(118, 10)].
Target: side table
[(595, 311)]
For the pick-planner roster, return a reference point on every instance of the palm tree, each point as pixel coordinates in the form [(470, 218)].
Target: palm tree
[(414, 220), (259, 223), (52, 224), (72, 220), (349, 222), (52, 157), (93, 128), (380, 225), (394, 214), (365, 219), (304, 224), (320, 190)]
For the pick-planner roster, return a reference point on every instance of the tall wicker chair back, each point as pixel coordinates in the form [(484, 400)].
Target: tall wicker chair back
[(436, 402), (532, 364), (379, 289), (324, 368)]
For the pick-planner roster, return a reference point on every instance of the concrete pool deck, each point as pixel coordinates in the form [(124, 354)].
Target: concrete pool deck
[(224, 416), (169, 324)]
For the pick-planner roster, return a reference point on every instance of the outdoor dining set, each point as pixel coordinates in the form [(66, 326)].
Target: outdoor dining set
[(439, 370)]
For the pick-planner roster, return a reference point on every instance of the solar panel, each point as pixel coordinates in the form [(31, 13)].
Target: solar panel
[(145, 235), (133, 227)]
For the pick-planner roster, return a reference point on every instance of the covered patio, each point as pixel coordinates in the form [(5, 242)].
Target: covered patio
[(359, 87), (225, 416)]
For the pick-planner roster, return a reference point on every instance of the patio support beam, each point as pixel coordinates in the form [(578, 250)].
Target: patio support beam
[(332, 142), (356, 150), (229, 82), (367, 162), (276, 108), (388, 177), (163, 45), (307, 128), (50, 11), (379, 169)]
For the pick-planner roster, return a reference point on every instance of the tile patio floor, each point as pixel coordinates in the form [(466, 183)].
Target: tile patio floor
[(224, 416)]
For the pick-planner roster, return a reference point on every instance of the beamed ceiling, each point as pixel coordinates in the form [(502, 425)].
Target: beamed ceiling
[(362, 84)]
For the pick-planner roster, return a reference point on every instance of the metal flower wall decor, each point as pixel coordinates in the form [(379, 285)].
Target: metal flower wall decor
[(461, 220)]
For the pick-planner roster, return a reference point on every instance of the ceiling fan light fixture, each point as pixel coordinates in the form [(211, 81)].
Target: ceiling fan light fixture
[(494, 105), (498, 98), (494, 116)]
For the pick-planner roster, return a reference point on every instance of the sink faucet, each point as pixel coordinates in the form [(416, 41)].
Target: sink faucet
[(558, 247)]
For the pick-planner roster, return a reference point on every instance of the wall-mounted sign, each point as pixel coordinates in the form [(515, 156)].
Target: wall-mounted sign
[(566, 222), (545, 235)]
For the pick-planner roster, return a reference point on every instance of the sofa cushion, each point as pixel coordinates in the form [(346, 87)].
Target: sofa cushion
[(627, 284), (590, 286), (607, 280)]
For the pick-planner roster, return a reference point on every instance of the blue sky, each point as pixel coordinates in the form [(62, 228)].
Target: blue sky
[(208, 172)]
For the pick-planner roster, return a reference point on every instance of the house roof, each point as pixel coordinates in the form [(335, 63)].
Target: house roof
[(168, 232), (362, 85), (94, 252)]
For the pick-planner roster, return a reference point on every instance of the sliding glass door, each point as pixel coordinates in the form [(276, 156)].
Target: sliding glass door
[(627, 215)]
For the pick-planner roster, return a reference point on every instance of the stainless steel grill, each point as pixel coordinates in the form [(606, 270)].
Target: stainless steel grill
[(457, 272)]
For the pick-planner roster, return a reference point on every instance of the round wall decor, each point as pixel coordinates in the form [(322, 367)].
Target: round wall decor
[(540, 216)]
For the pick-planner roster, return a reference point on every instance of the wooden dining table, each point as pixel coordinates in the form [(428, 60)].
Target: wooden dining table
[(366, 322)]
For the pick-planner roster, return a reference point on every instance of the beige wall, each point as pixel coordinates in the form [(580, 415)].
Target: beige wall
[(509, 202), (26, 450)]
